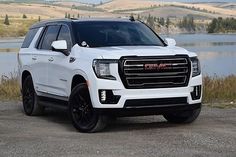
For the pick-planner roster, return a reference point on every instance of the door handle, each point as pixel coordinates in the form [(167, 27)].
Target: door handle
[(50, 59), (34, 58)]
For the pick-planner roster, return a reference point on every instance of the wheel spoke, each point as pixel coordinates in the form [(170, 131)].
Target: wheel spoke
[(81, 99)]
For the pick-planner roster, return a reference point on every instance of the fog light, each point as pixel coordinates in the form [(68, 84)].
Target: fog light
[(103, 96), (196, 93), (107, 97)]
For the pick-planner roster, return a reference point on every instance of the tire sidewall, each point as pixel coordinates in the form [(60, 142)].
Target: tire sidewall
[(183, 117), (28, 83), (74, 92)]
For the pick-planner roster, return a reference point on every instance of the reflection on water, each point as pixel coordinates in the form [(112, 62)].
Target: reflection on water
[(8, 63), (217, 53), (204, 44), (218, 63)]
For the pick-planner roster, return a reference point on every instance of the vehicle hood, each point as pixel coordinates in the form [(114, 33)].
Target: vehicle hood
[(117, 52)]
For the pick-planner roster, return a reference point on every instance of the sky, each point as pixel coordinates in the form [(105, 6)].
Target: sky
[(98, 1)]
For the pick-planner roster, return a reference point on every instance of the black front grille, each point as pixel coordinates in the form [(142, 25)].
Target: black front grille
[(155, 72), (161, 102)]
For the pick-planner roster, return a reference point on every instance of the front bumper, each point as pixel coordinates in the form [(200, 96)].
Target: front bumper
[(118, 89), (158, 110)]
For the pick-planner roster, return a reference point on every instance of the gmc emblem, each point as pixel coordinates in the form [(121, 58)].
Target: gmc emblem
[(156, 66)]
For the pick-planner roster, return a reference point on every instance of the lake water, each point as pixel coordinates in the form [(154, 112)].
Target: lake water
[(217, 53)]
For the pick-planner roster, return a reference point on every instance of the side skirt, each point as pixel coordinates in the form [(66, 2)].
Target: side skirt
[(52, 102)]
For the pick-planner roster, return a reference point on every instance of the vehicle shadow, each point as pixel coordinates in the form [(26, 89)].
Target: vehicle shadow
[(114, 125), (138, 123), (59, 117)]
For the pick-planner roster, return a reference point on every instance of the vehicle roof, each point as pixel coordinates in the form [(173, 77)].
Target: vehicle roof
[(68, 21)]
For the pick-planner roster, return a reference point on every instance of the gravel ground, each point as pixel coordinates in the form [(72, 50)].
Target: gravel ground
[(213, 134)]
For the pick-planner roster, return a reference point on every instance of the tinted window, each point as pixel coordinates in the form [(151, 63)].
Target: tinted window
[(29, 37), (65, 35), (50, 36), (110, 33)]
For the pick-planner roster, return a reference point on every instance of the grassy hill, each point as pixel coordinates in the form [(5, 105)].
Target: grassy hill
[(203, 13), (221, 9)]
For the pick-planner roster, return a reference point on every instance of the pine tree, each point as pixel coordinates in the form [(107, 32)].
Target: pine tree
[(162, 21), (150, 21), (138, 18), (6, 21), (24, 16), (167, 22)]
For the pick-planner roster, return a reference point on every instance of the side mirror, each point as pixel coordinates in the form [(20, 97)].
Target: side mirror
[(170, 41), (60, 46)]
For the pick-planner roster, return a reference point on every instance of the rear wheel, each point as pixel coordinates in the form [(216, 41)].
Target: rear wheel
[(183, 117), (30, 98), (83, 115)]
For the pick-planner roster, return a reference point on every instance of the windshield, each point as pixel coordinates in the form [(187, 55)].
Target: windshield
[(110, 33)]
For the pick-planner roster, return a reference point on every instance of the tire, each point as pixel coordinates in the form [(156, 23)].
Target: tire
[(30, 99), (183, 117), (83, 116)]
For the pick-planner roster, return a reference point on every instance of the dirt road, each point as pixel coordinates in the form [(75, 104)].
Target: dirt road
[(213, 134)]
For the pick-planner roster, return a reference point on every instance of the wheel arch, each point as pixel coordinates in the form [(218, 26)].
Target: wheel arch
[(24, 75), (77, 79)]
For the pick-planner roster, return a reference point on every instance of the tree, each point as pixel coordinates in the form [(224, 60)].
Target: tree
[(78, 16), (66, 15), (24, 16), (167, 22), (39, 19), (222, 25), (6, 21), (150, 21), (188, 23), (192, 23), (162, 21), (138, 18)]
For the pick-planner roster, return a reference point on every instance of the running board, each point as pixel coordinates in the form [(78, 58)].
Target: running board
[(54, 103)]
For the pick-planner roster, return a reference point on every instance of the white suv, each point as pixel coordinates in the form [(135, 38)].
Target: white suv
[(98, 69)]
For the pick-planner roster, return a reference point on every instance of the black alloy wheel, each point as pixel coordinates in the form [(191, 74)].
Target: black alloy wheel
[(83, 115)]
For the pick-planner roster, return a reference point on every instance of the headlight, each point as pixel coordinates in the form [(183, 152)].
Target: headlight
[(101, 68), (195, 66)]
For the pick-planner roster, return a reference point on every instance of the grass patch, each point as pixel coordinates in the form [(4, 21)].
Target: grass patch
[(17, 27), (9, 88), (219, 89), (218, 92), (221, 105)]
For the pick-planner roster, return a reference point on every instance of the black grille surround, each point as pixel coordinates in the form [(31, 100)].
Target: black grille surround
[(138, 72)]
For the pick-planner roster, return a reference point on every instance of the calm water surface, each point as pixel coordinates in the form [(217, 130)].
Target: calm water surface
[(217, 53)]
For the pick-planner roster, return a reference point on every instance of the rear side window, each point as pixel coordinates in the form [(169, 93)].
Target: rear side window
[(29, 37), (50, 36)]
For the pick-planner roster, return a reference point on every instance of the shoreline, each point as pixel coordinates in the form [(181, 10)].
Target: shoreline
[(5, 39)]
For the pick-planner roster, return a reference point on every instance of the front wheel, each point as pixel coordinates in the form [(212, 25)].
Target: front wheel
[(183, 117), (82, 113), (30, 98)]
